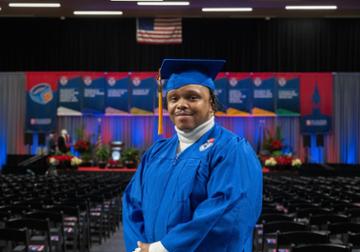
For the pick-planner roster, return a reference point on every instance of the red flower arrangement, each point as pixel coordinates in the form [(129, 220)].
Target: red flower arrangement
[(64, 161), (60, 158), (284, 160), (82, 146), (114, 163), (273, 155), (273, 143), (276, 144)]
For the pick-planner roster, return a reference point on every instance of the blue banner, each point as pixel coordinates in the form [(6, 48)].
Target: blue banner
[(288, 97), (264, 96), (143, 87), (41, 102), (117, 94), (70, 95), (240, 95), (221, 92), (94, 95)]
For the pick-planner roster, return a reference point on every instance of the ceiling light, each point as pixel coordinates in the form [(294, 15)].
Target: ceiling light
[(163, 3), (314, 7), (98, 13), (35, 5), (226, 9)]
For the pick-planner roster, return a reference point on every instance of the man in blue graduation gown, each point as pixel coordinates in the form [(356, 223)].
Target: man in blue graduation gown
[(200, 190)]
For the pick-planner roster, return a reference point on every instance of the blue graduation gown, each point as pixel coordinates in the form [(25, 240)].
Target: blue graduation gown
[(206, 199)]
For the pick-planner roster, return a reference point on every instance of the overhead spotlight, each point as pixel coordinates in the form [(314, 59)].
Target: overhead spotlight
[(244, 9), (163, 3), (310, 7), (136, 0), (100, 13), (35, 5)]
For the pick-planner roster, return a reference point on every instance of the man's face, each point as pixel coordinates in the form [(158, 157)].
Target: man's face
[(189, 106)]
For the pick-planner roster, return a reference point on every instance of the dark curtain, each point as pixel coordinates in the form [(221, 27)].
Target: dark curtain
[(302, 45)]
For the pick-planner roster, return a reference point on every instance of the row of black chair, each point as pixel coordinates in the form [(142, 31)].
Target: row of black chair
[(81, 209), (308, 211)]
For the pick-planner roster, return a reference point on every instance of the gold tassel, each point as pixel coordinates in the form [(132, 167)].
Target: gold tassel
[(160, 108)]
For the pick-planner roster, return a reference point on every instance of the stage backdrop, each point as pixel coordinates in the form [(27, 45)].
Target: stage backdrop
[(341, 145)]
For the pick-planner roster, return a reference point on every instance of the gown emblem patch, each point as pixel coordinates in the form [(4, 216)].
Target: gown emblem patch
[(207, 145)]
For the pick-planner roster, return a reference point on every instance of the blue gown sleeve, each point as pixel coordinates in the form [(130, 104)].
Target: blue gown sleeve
[(132, 215), (232, 207)]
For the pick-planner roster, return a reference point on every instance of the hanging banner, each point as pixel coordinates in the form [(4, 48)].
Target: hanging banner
[(117, 93), (70, 94), (41, 101), (264, 94), (287, 94), (142, 93), (240, 94), (316, 102), (221, 92), (93, 101)]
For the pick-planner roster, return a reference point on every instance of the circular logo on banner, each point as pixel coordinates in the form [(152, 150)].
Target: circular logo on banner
[(257, 81), (136, 81), (63, 80), (87, 80), (111, 81), (282, 81), (41, 93), (233, 81)]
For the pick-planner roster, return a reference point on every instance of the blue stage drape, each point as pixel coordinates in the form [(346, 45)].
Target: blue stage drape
[(340, 146)]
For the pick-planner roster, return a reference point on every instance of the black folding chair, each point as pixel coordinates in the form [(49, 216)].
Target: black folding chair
[(291, 239), (354, 239), (39, 231), (321, 221), (354, 214), (4, 216), (270, 229), (71, 225), (56, 221), (342, 230), (266, 218), (322, 248), (15, 239), (307, 212)]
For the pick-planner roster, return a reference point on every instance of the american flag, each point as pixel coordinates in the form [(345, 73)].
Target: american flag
[(159, 30), (99, 137)]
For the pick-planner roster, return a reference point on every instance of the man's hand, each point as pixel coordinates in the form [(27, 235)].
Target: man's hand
[(144, 246)]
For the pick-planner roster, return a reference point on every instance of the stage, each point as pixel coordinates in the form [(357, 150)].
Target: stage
[(98, 169)]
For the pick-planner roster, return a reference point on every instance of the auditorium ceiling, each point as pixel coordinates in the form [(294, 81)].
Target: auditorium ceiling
[(261, 8)]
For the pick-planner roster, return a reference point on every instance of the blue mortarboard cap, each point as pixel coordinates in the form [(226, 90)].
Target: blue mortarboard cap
[(182, 72)]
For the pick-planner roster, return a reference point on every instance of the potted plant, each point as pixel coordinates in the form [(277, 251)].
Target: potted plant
[(130, 157), (102, 155)]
